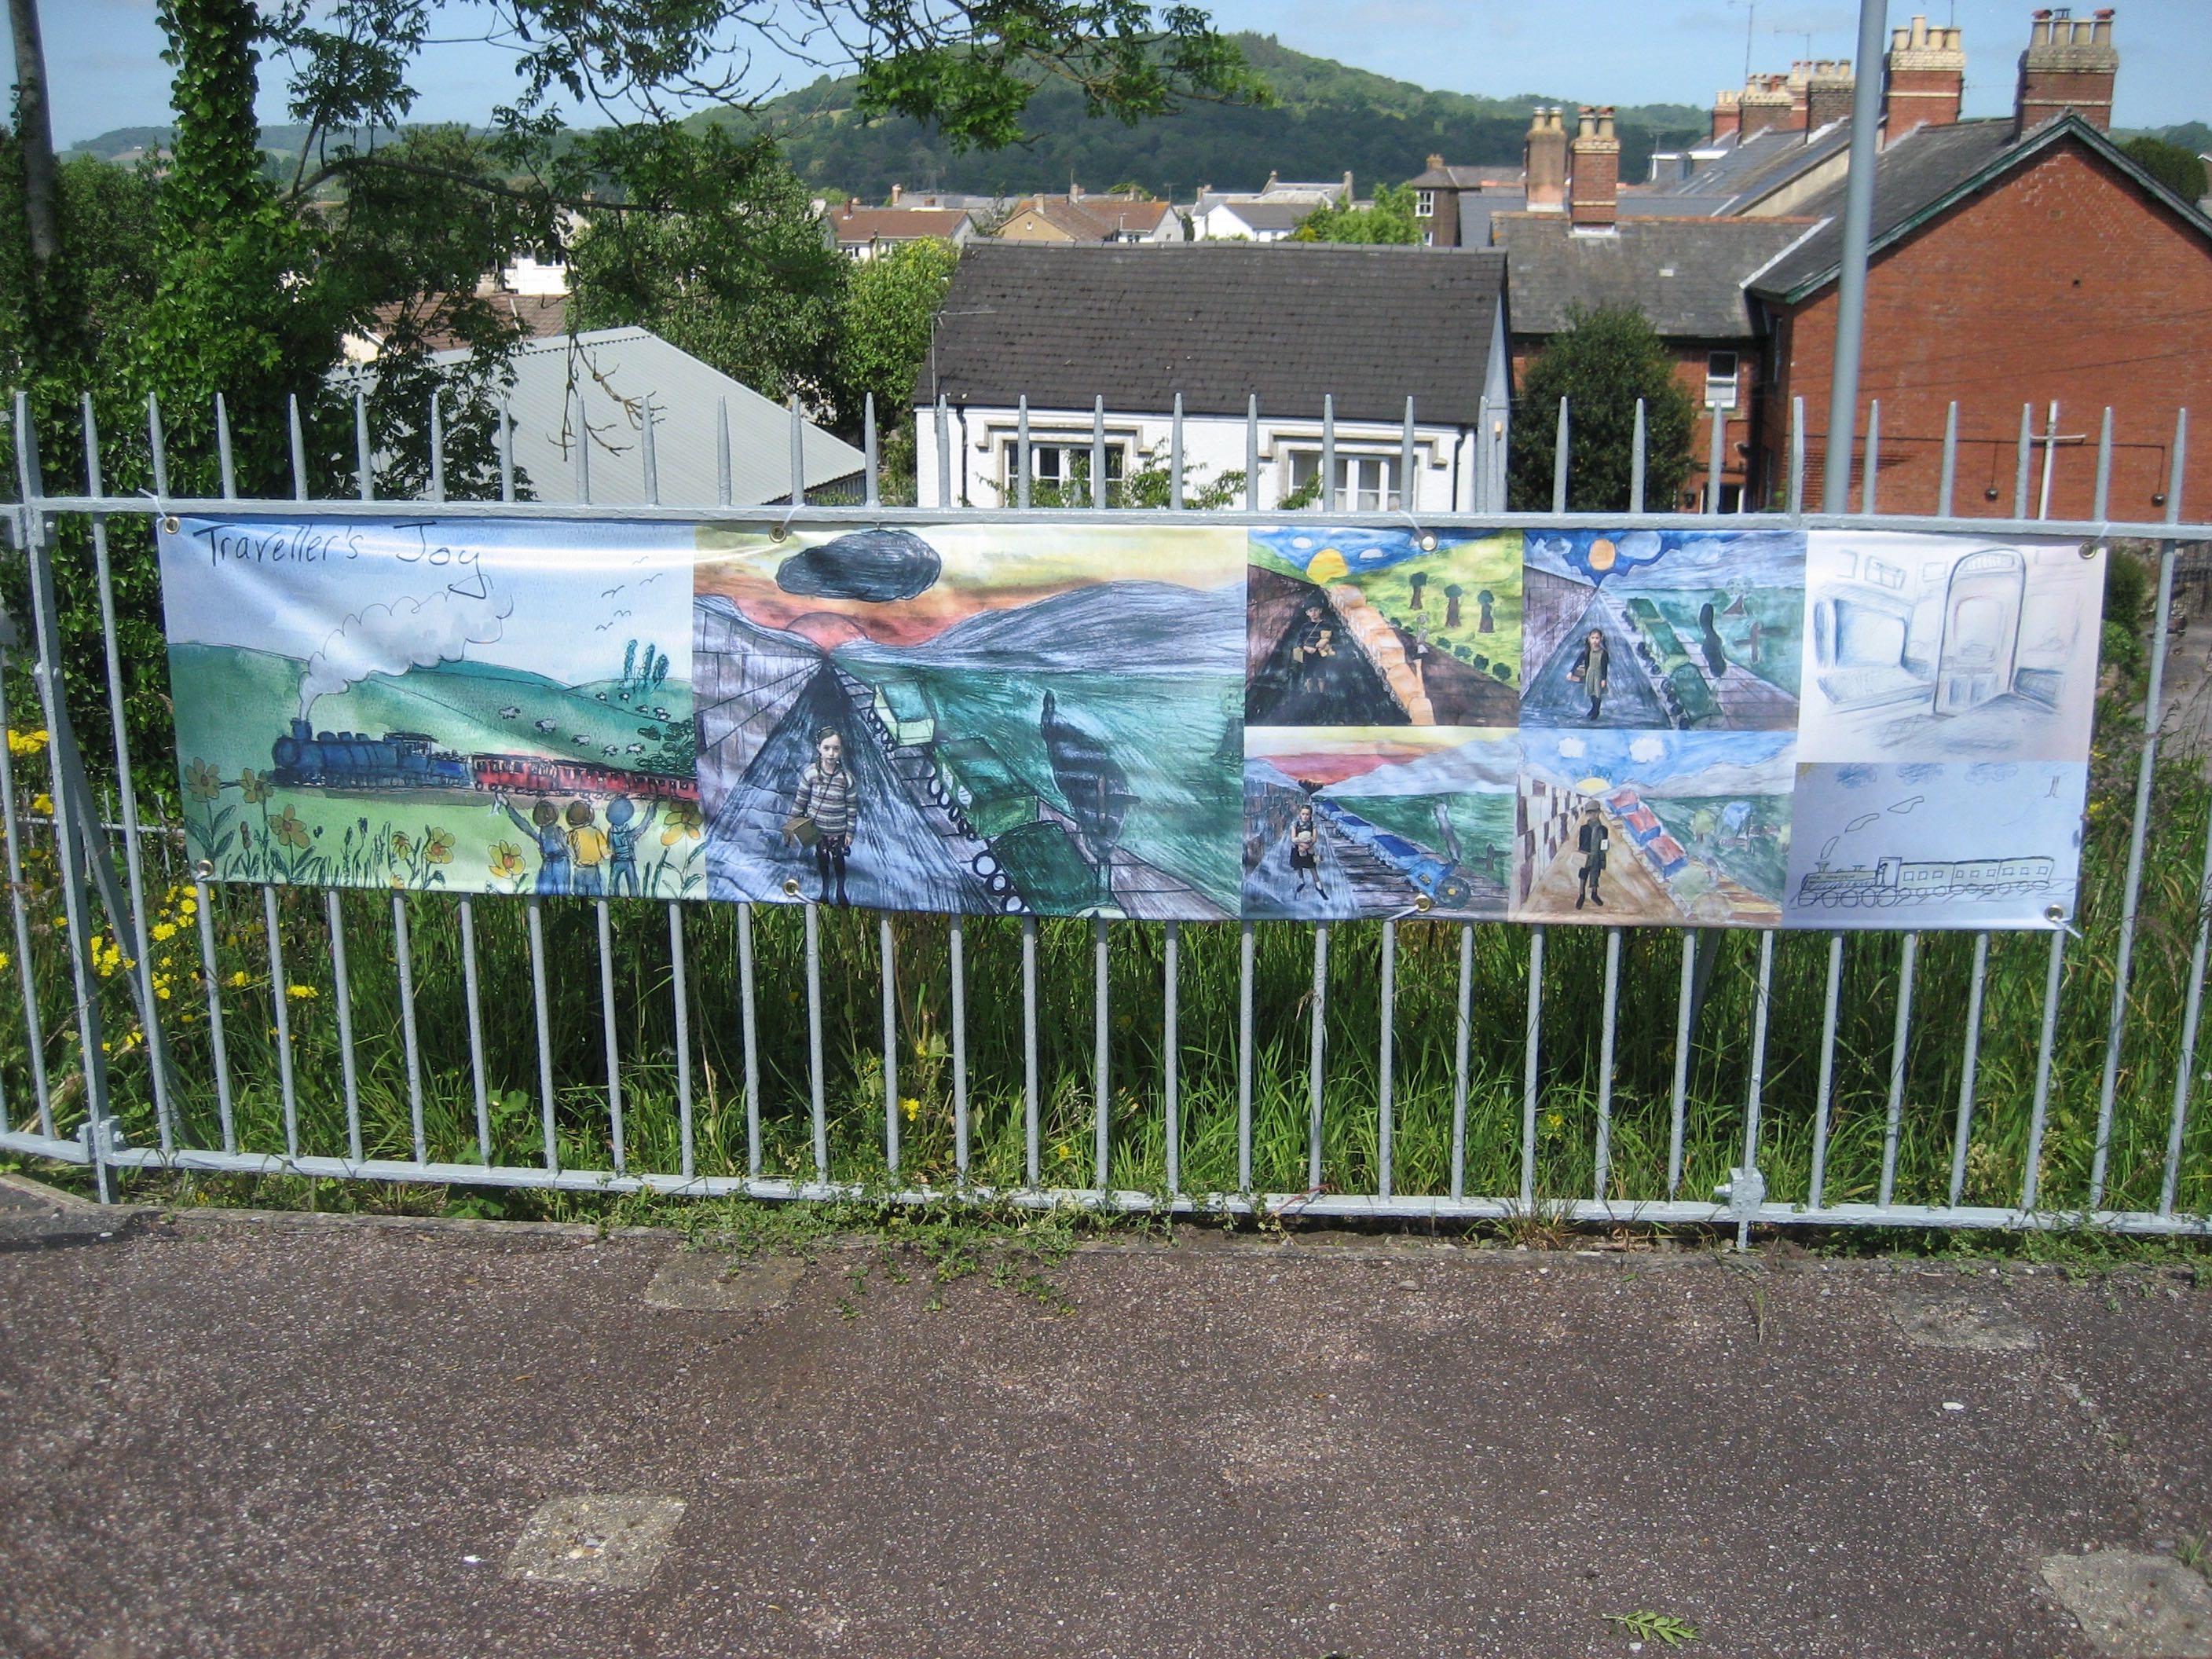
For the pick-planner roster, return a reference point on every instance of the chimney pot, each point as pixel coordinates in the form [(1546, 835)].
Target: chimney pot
[(2069, 65), (894, 195), (1544, 162), (1593, 186), (1435, 163)]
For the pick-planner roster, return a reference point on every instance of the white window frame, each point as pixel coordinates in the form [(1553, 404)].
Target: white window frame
[(1425, 204), (1722, 389), (1366, 479), (1059, 447)]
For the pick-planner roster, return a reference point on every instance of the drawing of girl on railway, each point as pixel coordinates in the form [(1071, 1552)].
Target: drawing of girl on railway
[(543, 828)]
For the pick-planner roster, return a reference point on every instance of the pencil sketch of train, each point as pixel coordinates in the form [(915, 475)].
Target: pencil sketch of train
[(1895, 881)]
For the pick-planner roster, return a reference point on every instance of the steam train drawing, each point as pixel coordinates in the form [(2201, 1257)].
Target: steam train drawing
[(1439, 878), (1893, 881), (1689, 700), (412, 760)]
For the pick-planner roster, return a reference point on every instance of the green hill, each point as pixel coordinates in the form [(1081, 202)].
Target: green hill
[(1328, 118)]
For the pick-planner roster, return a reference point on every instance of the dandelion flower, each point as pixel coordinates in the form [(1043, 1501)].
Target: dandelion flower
[(911, 1106), (24, 743), (301, 992), (43, 803), (239, 979)]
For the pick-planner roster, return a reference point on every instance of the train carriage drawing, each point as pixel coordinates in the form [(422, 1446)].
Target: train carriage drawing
[(1438, 879), (1895, 881), (1689, 700), (412, 760)]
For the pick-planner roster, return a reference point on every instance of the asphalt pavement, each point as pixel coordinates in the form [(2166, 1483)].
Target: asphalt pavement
[(227, 1435)]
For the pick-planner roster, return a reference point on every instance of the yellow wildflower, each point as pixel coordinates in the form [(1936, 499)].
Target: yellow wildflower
[(239, 979), (911, 1106), (24, 743), (164, 931), (301, 992), (44, 803)]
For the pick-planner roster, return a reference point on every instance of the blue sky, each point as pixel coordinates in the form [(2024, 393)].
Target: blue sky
[(103, 54)]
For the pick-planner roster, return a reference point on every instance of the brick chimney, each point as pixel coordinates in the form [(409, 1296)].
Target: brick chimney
[(1593, 199), (1827, 92), (1767, 106), (1728, 114), (895, 193), (2069, 64), (1925, 78), (1800, 76), (1544, 162)]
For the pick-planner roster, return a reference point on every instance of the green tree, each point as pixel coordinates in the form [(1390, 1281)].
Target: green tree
[(884, 336), (2181, 171), (1390, 219), (1606, 358)]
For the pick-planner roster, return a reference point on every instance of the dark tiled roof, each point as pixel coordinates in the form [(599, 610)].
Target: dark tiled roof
[(1478, 207), (1273, 216), (1460, 178), (898, 224), (1218, 322), (1914, 173), (1686, 275)]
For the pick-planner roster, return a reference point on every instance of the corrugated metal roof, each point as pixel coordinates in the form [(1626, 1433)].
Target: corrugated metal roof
[(617, 373)]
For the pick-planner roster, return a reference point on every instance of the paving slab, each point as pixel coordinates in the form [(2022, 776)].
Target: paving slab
[(247, 1439)]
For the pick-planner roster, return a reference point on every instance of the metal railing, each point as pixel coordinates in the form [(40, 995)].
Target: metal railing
[(1408, 1069)]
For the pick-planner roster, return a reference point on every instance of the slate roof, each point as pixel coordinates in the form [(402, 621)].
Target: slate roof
[(1926, 170), (1460, 178), (619, 370), (1097, 218), (1218, 322), (1686, 275)]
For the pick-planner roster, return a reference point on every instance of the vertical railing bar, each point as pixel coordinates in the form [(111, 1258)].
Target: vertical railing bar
[(473, 1007), (1608, 1024), (403, 936), (1252, 453), (583, 450), (1869, 482), (1245, 938), (342, 991), (1796, 457), (1030, 1103), (2138, 829), (649, 457), (1900, 1038), (1530, 1055), (798, 498), (680, 993), (506, 451), (437, 449), (1969, 1064), (609, 1033), (2047, 1042), (218, 1043), (1825, 1092), (817, 1101), (1463, 1040), (943, 454), (364, 462), (1175, 455), (874, 490), (1478, 492), (1716, 458), (157, 1061), (1317, 1055), (1098, 453), (1102, 1053), (958, 950), (885, 949), (2103, 496), (1385, 1114), (2186, 1066), (2027, 454), (1762, 1004), (1947, 485), (749, 1026), (298, 439), (1170, 1054), (1022, 455), (1685, 1018), (223, 448), (34, 1022), (1406, 475), (723, 483), (1636, 462), (157, 446), (1327, 501), (280, 1000), (549, 1129), (1559, 442)]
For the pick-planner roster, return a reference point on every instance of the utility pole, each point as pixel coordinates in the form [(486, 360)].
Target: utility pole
[(1852, 280), (35, 132)]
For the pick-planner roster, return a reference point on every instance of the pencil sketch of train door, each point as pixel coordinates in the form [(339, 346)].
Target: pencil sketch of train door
[(1981, 630)]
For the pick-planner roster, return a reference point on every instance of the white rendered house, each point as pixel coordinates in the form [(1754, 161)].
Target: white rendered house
[(1221, 323)]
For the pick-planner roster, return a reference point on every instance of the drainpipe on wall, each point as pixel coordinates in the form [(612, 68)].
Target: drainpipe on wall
[(1459, 446), (961, 412)]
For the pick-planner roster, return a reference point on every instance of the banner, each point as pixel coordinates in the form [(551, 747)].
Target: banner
[(1188, 721)]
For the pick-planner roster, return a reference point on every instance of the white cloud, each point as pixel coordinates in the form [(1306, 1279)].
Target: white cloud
[(1573, 747), (1646, 748)]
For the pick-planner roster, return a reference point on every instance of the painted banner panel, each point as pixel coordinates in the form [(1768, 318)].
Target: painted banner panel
[(1190, 722)]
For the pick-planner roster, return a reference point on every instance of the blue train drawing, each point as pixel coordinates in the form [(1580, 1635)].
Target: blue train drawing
[(412, 760), (1439, 878), (1895, 881)]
